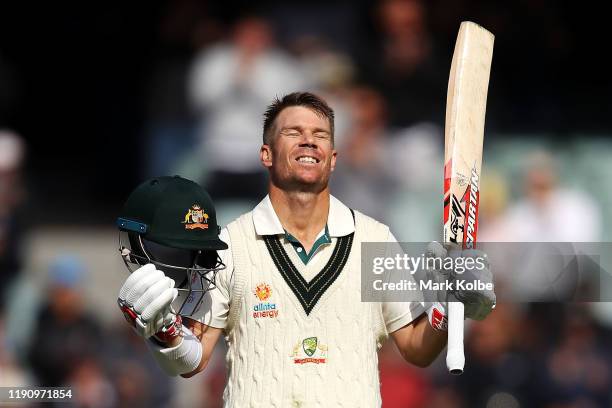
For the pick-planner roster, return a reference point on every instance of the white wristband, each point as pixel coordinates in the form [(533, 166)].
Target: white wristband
[(180, 359)]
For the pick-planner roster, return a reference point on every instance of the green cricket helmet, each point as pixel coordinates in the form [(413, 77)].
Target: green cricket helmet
[(171, 222)]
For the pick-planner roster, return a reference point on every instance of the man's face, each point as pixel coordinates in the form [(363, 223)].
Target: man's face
[(301, 154)]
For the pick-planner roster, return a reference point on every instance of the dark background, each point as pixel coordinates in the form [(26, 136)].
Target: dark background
[(79, 78)]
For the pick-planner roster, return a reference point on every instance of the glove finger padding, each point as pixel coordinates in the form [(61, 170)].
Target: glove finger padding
[(438, 275), (143, 286), (435, 250), (133, 278), (478, 302), (160, 305), (152, 293), (159, 321), (140, 286)]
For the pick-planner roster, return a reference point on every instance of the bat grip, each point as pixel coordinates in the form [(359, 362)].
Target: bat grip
[(455, 359)]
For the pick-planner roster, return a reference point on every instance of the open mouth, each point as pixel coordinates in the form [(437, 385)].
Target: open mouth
[(307, 159)]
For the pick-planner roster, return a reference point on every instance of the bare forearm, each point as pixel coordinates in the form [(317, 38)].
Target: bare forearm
[(419, 343), (208, 336)]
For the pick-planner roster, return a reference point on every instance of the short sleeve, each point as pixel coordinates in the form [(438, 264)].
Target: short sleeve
[(215, 305), (398, 314)]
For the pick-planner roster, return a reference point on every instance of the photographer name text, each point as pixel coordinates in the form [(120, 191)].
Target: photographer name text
[(410, 285)]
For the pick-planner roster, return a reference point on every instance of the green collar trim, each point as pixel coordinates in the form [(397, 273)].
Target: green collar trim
[(299, 248)]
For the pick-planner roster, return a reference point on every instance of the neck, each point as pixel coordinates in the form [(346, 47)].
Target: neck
[(303, 214)]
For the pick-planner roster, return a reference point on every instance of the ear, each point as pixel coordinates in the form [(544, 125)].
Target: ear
[(265, 155), (334, 156)]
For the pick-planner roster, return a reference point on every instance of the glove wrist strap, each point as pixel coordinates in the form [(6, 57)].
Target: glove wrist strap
[(170, 332), (436, 314)]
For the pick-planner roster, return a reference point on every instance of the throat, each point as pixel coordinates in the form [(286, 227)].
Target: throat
[(303, 215)]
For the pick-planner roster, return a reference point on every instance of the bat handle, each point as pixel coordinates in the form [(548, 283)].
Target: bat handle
[(455, 359)]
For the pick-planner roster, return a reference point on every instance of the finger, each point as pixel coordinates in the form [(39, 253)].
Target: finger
[(135, 277), (435, 250), (454, 252), (478, 255), (141, 287), (152, 292), (472, 253), (153, 326), (159, 304)]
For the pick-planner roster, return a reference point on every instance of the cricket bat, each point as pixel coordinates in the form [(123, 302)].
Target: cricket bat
[(464, 131)]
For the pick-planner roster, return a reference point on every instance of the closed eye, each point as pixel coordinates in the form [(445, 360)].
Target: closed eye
[(291, 133)]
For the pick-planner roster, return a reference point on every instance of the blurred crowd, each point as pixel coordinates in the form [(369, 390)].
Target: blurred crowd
[(207, 89)]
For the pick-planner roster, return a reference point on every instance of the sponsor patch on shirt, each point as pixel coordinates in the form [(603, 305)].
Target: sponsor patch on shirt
[(264, 308)]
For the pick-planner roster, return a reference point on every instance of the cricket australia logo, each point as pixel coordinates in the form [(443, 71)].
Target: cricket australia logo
[(263, 292), (196, 218), (309, 350)]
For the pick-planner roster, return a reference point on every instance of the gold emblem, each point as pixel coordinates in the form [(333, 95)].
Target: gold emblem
[(196, 218)]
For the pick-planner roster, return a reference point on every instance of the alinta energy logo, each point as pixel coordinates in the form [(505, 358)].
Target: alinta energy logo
[(263, 292)]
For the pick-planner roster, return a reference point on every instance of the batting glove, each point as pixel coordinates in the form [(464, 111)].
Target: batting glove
[(145, 300), (466, 285)]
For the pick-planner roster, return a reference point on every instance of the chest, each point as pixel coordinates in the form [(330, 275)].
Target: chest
[(278, 284)]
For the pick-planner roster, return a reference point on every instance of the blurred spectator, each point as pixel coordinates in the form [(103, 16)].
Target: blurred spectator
[(229, 84), (11, 373), (22, 305), (492, 224), (496, 368), (414, 157), (550, 213), (359, 177), (397, 165), (185, 27), (333, 73), (398, 60), (12, 192), (65, 335), (577, 370), (90, 386), (134, 370)]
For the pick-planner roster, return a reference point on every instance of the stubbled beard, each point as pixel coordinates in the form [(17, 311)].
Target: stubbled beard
[(295, 184)]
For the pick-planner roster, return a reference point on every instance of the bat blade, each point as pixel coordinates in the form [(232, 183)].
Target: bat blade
[(464, 132)]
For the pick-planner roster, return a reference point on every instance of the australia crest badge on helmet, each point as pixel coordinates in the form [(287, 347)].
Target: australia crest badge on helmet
[(196, 218)]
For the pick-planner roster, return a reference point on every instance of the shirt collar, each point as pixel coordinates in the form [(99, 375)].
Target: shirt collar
[(339, 221)]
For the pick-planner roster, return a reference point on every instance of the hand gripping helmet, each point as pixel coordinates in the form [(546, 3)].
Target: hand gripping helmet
[(171, 223)]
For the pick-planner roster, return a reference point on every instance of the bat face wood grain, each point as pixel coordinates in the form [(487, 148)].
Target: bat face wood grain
[(464, 131)]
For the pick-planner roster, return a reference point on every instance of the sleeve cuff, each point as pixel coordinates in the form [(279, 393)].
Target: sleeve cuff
[(416, 309), (217, 323)]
